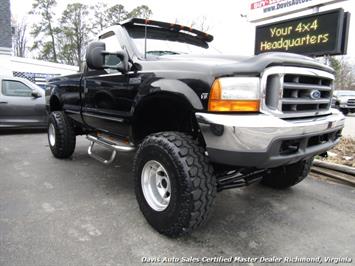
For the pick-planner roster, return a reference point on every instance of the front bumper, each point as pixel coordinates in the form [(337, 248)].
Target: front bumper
[(347, 106), (265, 141)]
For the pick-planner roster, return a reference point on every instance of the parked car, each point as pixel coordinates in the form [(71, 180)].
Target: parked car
[(198, 122), (344, 100), (22, 104)]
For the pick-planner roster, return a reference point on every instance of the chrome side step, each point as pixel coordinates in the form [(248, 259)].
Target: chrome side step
[(115, 146)]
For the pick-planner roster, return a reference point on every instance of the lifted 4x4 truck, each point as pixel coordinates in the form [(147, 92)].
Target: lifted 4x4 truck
[(198, 122)]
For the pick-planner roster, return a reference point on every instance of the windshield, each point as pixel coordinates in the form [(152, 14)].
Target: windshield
[(165, 47), (345, 93)]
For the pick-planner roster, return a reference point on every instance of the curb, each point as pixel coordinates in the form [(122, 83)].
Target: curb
[(336, 167), (333, 174)]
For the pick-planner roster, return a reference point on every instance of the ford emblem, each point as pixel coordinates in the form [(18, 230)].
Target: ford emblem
[(315, 94)]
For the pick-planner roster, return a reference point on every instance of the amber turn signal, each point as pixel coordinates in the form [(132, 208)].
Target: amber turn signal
[(234, 105)]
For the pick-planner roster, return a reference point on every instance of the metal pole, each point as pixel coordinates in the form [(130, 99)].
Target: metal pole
[(326, 57), (145, 41), (315, 9)]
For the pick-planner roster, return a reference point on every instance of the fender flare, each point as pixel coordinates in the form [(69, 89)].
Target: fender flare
[(54, 97), (177, 86)]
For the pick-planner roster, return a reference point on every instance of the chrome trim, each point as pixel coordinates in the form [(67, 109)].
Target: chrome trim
[(346, 106), (281, 71), (110, 144), (99, 158), (255, 132), (114, 146)]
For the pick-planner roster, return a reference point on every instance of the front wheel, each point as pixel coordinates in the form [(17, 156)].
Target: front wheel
[(174, 183), (288, 175), (344, 111), (61, 135)]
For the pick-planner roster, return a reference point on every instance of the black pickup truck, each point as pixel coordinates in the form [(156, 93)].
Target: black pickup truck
[(198, 121)]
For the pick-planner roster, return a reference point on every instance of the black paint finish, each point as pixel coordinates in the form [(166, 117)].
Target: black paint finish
[(106, 100)]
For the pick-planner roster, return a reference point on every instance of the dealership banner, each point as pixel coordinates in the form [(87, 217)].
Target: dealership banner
[(324, 33), (259, 10)]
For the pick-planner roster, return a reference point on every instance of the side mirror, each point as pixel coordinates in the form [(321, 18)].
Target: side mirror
[(98, 58), (36, 94)]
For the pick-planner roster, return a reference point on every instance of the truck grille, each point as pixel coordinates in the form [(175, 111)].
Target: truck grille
[(296, 92), (351, 102), (305, 93)]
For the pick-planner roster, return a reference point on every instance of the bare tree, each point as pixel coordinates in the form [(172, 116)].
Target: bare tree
[(100, 17), (142, 11), (116, 14), (75, 29), (19, 39), (44, 29), (201, 24), (64, 40), (344, 73)]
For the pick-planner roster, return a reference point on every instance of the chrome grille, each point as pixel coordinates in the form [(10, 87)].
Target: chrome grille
[(351, 102), (296, 92)]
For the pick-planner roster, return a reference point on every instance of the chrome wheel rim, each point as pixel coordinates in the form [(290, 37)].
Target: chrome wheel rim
[(51, 134), (156, 185)]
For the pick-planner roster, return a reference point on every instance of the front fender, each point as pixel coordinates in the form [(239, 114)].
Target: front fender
[(177, 86)]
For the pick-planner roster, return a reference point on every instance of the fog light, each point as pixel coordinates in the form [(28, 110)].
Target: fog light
[(218, 130)]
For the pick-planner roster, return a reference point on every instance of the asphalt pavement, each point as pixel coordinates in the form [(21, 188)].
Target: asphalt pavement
[(80, 212)]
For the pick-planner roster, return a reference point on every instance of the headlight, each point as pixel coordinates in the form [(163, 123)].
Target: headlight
[(235, 94)]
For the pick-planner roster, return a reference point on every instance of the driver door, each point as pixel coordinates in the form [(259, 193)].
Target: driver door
[(108, 95)]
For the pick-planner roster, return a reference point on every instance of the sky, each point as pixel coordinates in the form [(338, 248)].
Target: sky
[(233, 33)]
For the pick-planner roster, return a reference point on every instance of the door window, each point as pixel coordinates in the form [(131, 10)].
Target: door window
[(15, 88)]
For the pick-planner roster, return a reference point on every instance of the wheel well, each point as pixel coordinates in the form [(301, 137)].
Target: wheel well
[(163, 113), (54, 104)]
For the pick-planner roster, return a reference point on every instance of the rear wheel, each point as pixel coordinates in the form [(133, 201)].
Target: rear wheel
[(288, 175), (61, 135), (174, 183)]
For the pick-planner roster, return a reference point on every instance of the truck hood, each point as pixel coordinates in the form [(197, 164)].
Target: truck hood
[(221, 65), (344, 98)]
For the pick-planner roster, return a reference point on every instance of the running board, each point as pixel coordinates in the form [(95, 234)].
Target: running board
[(108, 144)]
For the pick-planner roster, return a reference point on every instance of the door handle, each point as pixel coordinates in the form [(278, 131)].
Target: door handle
[(3, 102)]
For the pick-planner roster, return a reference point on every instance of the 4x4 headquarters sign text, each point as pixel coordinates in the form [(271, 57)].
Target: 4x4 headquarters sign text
[(259, 10), (323, 33)]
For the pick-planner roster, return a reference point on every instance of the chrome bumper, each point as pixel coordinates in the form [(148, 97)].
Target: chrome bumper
[(258, 137), (346, 105)]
